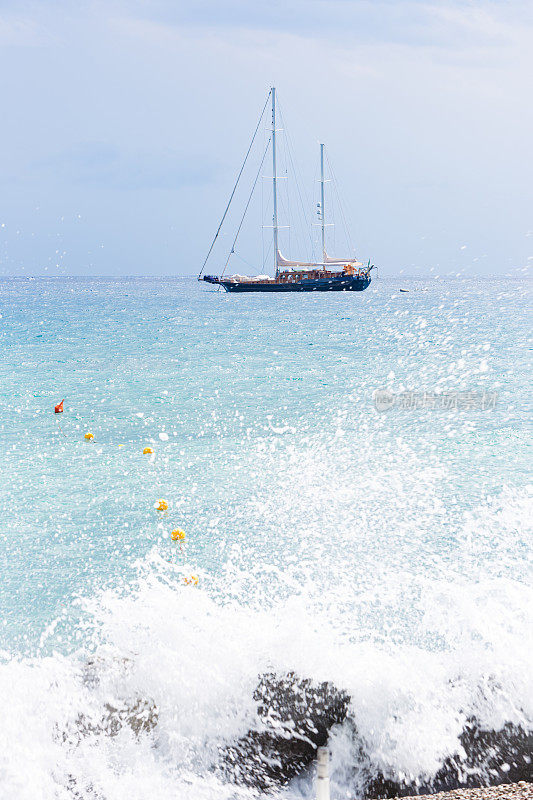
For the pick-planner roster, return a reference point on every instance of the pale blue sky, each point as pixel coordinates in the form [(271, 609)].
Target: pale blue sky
[(124, 124)]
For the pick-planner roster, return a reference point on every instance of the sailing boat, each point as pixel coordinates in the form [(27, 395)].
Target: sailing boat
[(328, 275)]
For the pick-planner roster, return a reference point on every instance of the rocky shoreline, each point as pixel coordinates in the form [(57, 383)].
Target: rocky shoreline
[(295, 716)]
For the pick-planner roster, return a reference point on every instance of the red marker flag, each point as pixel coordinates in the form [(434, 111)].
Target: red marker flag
[(59, 408)]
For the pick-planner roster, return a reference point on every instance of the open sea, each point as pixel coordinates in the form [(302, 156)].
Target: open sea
[(351, 474)]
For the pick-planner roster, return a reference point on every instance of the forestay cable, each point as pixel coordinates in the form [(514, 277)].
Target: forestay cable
[(235, 187), (246, 207)]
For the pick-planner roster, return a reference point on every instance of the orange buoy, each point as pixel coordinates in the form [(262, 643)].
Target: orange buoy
[(191, 580), (177, 535), (147, 451), (59, 408), (89, 436), (162, 505)]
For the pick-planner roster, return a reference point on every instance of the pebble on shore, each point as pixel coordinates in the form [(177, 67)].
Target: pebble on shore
[(505, 791)]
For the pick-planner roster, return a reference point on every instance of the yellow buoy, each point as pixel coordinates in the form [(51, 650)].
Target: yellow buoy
[(162, 505), (147, 451), (191, 580), (177, 535), (89, 436)]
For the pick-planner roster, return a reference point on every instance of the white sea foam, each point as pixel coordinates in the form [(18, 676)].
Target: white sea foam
[(197, 654)]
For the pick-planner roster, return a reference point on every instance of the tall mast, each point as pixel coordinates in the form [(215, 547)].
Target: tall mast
[(322, 215), (274, 181)]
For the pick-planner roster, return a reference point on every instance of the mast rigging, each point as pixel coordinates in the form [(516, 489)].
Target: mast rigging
[(235, 187)]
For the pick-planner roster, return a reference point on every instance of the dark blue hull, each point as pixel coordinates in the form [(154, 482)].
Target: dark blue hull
[(345, 284)]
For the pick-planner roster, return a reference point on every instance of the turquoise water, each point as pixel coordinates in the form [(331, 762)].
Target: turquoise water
[(387, 551)]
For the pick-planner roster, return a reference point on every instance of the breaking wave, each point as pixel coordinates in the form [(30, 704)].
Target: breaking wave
[(165, 678)]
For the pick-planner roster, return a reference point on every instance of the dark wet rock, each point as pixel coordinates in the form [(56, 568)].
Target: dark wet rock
[(295, 716), (139, 714), (491, 758)]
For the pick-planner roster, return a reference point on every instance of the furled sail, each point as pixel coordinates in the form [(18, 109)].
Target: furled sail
[(353, 261), (284, 262)]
